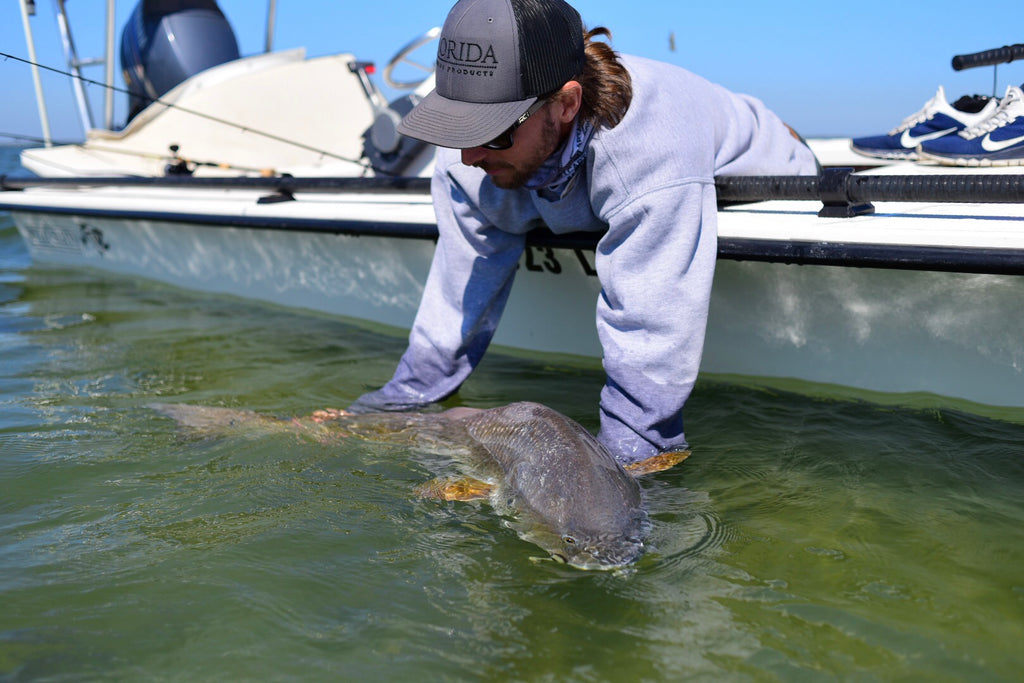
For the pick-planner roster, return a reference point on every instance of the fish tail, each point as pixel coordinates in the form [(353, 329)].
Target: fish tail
[(212, 421)]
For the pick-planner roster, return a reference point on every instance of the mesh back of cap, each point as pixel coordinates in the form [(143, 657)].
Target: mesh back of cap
[(550, 44)]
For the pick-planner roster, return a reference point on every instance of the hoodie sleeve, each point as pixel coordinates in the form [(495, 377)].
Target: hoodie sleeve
[(652, 182), (468, 285), (656, 265)]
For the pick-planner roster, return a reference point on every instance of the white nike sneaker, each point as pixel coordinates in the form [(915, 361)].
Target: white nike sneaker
[(996, 141), (935, 120)]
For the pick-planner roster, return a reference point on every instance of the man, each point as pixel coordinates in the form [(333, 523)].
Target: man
[(539, 123)]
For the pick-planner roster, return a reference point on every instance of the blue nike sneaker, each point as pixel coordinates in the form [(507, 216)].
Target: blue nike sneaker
[(937, 119), (996, 141)]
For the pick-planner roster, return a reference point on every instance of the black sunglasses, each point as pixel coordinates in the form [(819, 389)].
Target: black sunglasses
[(505, 141)]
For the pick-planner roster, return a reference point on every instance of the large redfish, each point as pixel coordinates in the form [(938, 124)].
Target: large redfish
[(563, 490)]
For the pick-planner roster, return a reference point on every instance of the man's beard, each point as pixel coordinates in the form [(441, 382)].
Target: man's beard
[(549, 142)]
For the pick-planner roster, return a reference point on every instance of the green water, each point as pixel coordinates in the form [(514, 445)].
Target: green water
[(807, 538)]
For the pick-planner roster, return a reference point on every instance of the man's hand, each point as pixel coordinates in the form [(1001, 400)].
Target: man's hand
[(321, 416)]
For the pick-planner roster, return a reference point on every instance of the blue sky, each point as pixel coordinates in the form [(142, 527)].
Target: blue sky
[(828, 68)]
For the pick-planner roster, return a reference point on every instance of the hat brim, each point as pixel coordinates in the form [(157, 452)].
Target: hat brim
[(460, 125)]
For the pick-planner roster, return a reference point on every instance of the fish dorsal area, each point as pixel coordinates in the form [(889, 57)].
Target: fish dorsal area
[(550, 461)]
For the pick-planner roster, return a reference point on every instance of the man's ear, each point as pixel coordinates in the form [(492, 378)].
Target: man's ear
[(569, 101)]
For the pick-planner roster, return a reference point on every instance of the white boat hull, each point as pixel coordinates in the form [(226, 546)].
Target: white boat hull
[(365, 277), (955, 335), (895, 331)]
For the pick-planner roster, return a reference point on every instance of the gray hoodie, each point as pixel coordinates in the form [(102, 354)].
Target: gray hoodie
[(648, 185)]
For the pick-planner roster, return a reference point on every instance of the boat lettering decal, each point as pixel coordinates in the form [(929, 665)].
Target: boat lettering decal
[(588, 269), (52, 238), (92, 239), (545, 260)]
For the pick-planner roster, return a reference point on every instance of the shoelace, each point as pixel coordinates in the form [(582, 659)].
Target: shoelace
[(924, 114), (1000, 118)]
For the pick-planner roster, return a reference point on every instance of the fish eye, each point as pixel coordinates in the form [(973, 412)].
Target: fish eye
[(568, 540)]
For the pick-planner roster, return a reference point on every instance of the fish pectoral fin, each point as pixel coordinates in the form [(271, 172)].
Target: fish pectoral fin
[(656, 463), (455, 489)]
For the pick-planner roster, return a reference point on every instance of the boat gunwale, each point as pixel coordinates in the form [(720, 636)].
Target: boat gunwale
[(977, 260)]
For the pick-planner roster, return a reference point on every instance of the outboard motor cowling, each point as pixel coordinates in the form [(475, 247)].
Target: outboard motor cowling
[(389, 151), (168, 41)]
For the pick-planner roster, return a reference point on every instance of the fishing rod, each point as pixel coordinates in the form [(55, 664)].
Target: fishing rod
[(185, 165), (994, 57), (208, 117), (35, 139), (173, 157)]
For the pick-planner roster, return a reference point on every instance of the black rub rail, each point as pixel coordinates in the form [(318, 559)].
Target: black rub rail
[(842, 192)]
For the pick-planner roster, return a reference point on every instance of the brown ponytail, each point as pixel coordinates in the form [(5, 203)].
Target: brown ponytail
[(607, 87)]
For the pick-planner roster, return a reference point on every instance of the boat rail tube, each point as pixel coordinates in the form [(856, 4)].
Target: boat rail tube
[(834, 186)]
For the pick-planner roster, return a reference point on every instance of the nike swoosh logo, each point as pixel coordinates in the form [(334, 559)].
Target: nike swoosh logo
[(990, 145), (910, 141)]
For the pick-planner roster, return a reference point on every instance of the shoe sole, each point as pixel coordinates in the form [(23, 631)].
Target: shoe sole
[(971, 162), (909, 155)]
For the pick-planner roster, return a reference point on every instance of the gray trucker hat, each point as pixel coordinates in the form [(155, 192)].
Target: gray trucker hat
[(494, 59)]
